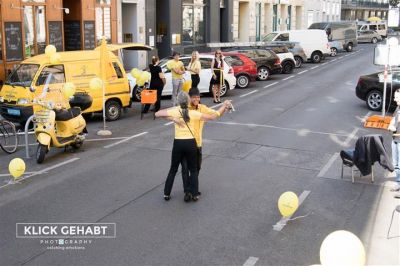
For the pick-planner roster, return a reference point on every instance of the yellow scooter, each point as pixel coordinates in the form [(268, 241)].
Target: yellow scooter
[(59, 124)]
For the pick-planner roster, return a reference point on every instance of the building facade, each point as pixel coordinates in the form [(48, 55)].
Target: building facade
[(28, 26), (321, 10), (362, 10), (253, 19)]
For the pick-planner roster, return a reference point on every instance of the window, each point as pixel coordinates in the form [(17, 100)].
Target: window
[(381, 27), (248, 53), (118, 70), (372, 27), (283, 37), (35, 30), (23, 75), (258, 22), (193, 22), (103, 20), (236, 61), (205, 63), (57, 72), (263, 53)]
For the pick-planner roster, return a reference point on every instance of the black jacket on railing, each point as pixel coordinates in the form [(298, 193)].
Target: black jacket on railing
[(370, 149)]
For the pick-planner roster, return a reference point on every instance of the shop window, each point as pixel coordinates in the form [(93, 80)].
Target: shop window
[(103, 22), (205, 63), (193, 22), (57, 72), (103, 2), (35, 30)]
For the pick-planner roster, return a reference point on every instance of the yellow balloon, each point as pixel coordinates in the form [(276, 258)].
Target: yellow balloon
[(95, 84), (16, 167), (147, 75), (141, 81), (136, 73), (55, 58), (69, 89), (50, 50), (187, 85), (342, 248), (288, 203)]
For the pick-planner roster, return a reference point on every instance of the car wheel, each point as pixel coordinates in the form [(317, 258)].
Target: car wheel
[(298, 61), (137, 93), (287, 67), (333, 51), (374, 40), (374, 100), (316, 57), (242, 81), (263, 73), (349, 47), (225, 89), (113, 110)]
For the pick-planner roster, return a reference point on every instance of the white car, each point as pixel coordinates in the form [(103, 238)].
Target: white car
[(205, 77)]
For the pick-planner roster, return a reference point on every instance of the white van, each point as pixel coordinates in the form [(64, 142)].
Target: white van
[(314, 42), (379, 26)]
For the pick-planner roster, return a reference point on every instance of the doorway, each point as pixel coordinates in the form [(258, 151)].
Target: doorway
[(244, 21), (130, 34)]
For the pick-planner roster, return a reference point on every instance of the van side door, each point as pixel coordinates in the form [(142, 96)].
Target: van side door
[(119, 87)]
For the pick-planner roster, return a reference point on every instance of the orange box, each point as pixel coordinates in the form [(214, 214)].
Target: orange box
[(148, 96)]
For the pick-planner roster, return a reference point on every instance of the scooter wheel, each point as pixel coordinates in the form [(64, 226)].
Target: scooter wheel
[(77, 145), (41, 153)]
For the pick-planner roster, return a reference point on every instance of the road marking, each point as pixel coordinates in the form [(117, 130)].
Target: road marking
[(340, 57), (170, 123), (26, 173), (328, 165), (251, 261), (125, 140), (334, 60), (105, 139), (300, 131), (215, 106), (43, 171), (288, 78), (282, 222), (247, 94), (314, 67), (272, 84), (303, 72), (346, 55)]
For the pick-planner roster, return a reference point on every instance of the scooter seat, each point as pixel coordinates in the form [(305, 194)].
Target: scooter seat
[(67, 114)]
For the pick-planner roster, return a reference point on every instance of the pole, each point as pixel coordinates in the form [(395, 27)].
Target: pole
[(385, 76), (104, 131)]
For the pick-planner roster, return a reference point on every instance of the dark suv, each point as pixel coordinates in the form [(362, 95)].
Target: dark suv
[(267, 61)]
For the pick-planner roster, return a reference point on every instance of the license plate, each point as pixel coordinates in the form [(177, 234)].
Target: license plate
[(14, 112)]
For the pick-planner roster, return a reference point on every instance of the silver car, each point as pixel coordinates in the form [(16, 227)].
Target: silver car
[(370, 36), (298, 52)]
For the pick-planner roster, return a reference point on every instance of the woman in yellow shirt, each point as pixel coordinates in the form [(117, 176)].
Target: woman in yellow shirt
[(185, 146), (194, 68)]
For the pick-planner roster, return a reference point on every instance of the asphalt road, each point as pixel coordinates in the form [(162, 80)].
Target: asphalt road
[(284, 136)]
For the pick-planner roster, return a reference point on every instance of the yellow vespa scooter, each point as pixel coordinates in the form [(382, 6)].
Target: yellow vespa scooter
[(59, 124)]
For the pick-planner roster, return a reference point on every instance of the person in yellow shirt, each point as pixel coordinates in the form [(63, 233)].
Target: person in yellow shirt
[(194, 68), (184, 147), (177, 69), (195, 105)]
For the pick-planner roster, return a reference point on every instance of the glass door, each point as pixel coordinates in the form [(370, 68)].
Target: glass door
[(35, 30)]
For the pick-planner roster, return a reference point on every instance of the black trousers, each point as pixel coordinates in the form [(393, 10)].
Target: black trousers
[(157, 105), (183, 149), (185, 170), (195, 80)]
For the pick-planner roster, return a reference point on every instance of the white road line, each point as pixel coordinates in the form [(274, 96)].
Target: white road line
[(215, 106), (105, 139), (170, 123), (251, 261), (340, 57), (272, 84), (302, 72), (346, 55), (26, 173), (314, 67), (282, 222), (282, 128), (125, 140), (247, 94), (45, 170), (288, 78), (334, 60), (328, 165)]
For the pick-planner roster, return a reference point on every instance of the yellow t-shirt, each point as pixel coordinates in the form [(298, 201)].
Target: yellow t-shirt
[(199, 125), (196, 66), (171, 65), (184, 132)]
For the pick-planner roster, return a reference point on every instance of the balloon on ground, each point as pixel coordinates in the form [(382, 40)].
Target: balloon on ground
[(288, 203), (16, 167)]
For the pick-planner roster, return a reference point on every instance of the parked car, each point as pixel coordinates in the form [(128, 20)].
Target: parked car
[(344, 32), (244, 68), (336, 47), (314, 42), (205, 76), (267, 61), (298, 52), (379, 26), (370, 90), (370, 36), (288, 62)]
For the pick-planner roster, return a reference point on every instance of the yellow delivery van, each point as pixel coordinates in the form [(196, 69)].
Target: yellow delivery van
[(78, 67)]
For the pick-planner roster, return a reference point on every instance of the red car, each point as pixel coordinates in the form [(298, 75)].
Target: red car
[(244, 69)]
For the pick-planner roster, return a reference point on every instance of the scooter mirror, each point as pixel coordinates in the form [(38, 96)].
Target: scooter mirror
[(32, 89)]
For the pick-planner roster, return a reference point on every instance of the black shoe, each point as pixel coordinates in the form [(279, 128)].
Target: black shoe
[(187, 197), (167, 198), (195, 198)]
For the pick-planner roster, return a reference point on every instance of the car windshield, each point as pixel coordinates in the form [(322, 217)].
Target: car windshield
[(318, 26), (22, 75), (269, 37)]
